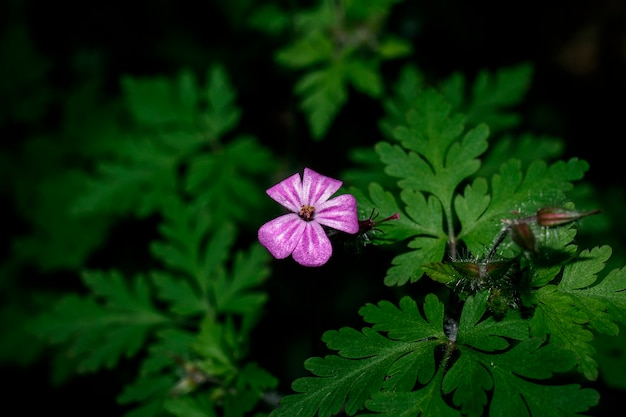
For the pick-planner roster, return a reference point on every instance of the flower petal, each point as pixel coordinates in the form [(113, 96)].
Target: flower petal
[(281, 235), (317, 188), (339, 213), (314, 248), (288, 193)]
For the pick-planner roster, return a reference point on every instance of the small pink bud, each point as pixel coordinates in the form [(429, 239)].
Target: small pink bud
[(557, 216), (370, 224)]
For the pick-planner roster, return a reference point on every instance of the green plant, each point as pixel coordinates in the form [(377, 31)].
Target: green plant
[(500, 286)]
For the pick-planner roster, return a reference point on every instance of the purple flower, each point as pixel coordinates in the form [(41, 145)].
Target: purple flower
[(300, 233)]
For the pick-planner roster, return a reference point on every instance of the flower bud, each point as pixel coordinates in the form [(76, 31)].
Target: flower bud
[(523, 236), (557, 216), (484, 269)]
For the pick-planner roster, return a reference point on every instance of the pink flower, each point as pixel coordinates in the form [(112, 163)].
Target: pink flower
[(300, 233)]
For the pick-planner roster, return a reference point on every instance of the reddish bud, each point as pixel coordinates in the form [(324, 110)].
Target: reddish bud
[(557, 216), (370, 224), (482, 270), (523, 236)]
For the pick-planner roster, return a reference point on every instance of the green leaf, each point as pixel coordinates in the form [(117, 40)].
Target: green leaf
[(526, 147), (364, 76), (313, 48), (383, 204), (406, 90), (409, 266), (183, 299), (369, 360), (145, 167), (251, 384), (213, 344), (227, 182), (170, 346), (491, 96), (511, 189), (160, 101), (221, 114), (489, 334), (99, 329), (391, 47), (269, 18), (470, 382), (424, 402), (433, 159), (143, 164), (235, 294), (323, 93), (184, 229), (579, 304), (190, 406), (515, 395), (406, 323), (491, 360), (144, 389)]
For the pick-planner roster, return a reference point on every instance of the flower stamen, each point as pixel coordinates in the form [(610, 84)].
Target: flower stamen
[(306, 212)]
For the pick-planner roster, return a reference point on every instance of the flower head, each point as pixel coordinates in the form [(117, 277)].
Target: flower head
[(300, 233)]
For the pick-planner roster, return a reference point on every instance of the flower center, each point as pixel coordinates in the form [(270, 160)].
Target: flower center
[(306, 212)]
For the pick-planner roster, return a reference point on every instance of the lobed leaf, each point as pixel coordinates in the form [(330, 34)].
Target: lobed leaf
[(581, 303), (99, 329)]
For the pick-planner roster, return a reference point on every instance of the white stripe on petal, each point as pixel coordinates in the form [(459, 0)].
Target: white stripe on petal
[(281, 235), (317, 188), (339, 213), (288, 193), (314, 248)]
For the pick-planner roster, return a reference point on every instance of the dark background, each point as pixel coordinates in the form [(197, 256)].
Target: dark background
[(578, 49)]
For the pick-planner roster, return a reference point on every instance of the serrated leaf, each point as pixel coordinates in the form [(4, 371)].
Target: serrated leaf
[(526, 147), (158, 100), (183, 299), (470, 382), (510, 189), (184, 229), (221, 114), (488, 362), (353, 380), (323, 93), (226, 182), (406, 322), (408, 266), (492, 95), (313, 48), (235, 293), (364, 76), (190, 406), (144, 389), (580, 303), (424, 402), (517, 396), (383, 204), (113, 322), (213, 345), (489, 334), (170, 346)]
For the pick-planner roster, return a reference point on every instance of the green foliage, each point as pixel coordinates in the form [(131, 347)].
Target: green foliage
[(112, 322), (340, 44), (189, 321), (380, 372), (180, 128), (528, 309), (499, 311)]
